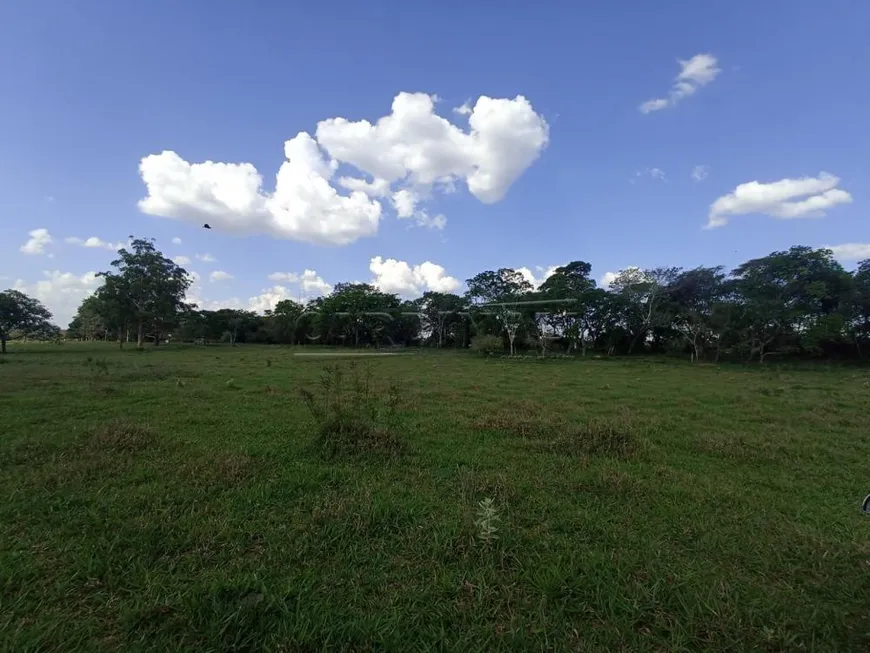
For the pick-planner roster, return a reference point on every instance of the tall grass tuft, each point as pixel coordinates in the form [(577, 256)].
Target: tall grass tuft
[(352, 417)]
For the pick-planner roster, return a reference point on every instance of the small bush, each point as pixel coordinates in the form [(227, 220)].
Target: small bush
[(487, 344), (351, 417)]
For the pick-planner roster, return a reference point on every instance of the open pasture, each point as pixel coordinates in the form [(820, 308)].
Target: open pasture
[(181, 498)]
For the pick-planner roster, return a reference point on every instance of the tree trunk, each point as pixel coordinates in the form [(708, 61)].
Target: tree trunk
[(120, 341), (635, 339), (156, 336), (140, 336), (2, 344), (128, 334)]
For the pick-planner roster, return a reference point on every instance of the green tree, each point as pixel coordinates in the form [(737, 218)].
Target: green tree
[(88, 322), (643, 295), (789, 294), (148, 288), (694, 296), (283, 322), (440, 315), (568, 282), (18, 312)]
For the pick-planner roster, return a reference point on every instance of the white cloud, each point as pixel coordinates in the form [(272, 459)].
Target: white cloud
[(537, 279), (229, 196), (780, 199), (269, 298), (93, 243), (694, 73), (415, 146), (430, 222), (700, 173), (654, 105), (412, 148), (609, 277), (606, 279), (374, 188), (220, 275), (310, 283), (850, 251), (656, 174), (290, 277), (61, 292), (39, 238), (207, 258), (176, 241), (405, 202), (653, 173), (398, 277), (181, 260), (464, 109)]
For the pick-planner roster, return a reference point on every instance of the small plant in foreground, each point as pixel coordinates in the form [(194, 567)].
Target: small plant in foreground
[(486, 520), (351, 417)]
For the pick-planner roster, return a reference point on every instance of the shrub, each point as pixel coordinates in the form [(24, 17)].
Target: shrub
[(351, 417), (487, 344)]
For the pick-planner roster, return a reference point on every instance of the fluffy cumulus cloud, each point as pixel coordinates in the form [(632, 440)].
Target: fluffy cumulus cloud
[(207, 258), (39, 238), (220, 275), (229, 196), (61, 292), (694, 73), (806, 197), (538, 277), (411, 149), (851, 251), (181, 260), (415, 147), (94, 243), (176, 241), (399, 277), (310, 283)]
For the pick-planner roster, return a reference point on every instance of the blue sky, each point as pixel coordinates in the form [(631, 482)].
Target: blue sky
[(90, 88)]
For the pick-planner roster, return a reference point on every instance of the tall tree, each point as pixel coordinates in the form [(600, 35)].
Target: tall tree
[(643, 294), (787, 294), (502, 289), (440, 314), (150, 286), (88, 322), (18, 312), (694, 296), (568, 282)]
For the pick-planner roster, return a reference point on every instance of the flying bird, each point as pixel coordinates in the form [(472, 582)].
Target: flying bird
[(206, 226)]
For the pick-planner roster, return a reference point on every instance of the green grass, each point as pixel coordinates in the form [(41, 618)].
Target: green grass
[(180, 499)]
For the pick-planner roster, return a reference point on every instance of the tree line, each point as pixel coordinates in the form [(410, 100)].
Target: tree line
[(799, 303)]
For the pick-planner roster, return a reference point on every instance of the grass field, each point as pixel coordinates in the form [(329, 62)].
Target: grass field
[(180, 499)]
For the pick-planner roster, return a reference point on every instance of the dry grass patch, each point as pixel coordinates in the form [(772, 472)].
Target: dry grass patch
[(120, 436), (225, 469)]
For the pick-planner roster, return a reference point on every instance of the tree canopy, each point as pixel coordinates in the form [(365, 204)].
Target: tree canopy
[(799, 302), (18, 312)]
